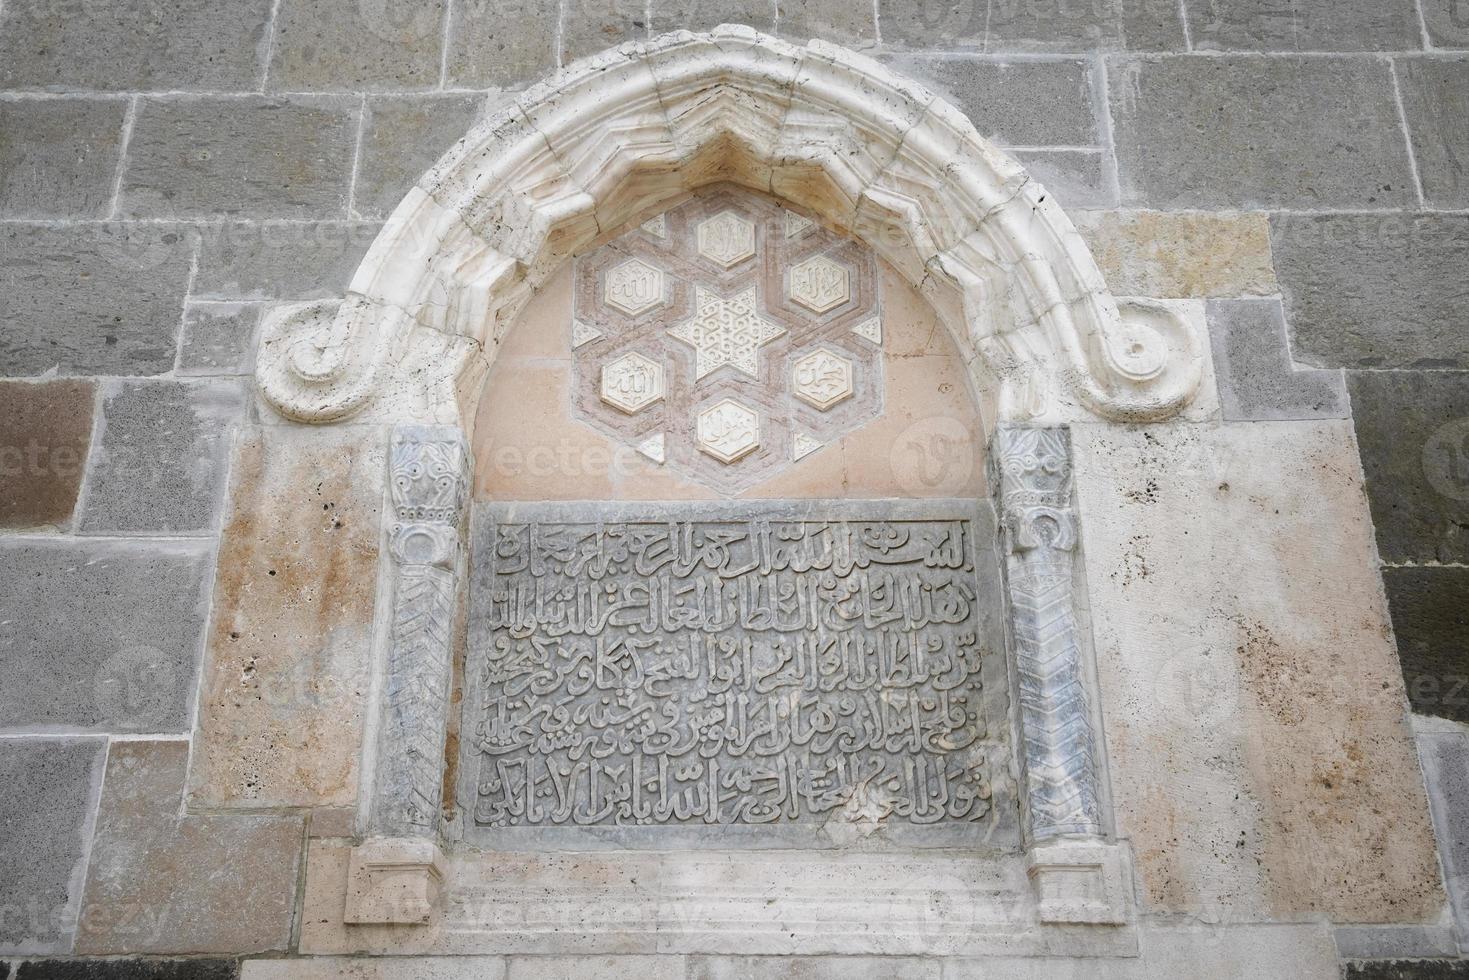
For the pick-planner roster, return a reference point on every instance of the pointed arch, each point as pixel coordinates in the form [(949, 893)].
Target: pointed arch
[(620, 136)]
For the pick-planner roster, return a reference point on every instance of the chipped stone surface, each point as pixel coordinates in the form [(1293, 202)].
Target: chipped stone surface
[(132, 616), (46, 823), (1261, 763), (287, 660), (1195, 254), (160, 461), (45, 432), (162, 882), (218, 339)]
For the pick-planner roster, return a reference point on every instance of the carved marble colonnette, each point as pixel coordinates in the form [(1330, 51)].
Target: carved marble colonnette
[(1078, 877), (395, 874)]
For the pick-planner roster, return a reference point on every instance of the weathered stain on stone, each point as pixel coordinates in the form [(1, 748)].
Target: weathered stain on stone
[(287, 668), (1288, 785), (45, 432), (1190, 254)]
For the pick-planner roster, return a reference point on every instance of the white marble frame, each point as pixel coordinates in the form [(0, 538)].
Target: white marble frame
[(622, 136)]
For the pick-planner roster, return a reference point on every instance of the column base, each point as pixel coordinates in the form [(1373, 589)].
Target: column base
[(1081, 881), (393, 880)]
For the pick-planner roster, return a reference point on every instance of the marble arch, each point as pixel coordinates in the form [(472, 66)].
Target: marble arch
[(621, 135), (619, 138)]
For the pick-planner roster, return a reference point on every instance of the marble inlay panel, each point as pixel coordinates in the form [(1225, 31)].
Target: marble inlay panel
[(727, 339), (804, 673)]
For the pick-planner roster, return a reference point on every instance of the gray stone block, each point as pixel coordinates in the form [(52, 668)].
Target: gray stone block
[(499, 43), (844, 22), (132, 968), (252, 156), (1388, 942), (1430, 615), (1436, 102), (46, 825), (1413, 434), (58, 157), (1078, 25), (589, 26), (1252, 363), (1447, 23), (349, 45), (1019, 103), (1271, 25), (401, 139), (100, 636), (126, 45), (91, 299), (1375, 290), (159, 463), (271, 260), (205, 883), (45, 430), (1078, 178), (1445, 760), (1406, 970), (1257, 133), (218, 338), (705, 15), (938, 25)]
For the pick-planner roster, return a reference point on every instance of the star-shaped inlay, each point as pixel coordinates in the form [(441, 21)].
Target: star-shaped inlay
[(726, 331)]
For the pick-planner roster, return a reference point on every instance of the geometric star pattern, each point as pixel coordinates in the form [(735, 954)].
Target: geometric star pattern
[(726, 339), (725, 331)]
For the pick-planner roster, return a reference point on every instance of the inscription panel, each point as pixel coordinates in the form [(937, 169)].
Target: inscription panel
[(780, 674)]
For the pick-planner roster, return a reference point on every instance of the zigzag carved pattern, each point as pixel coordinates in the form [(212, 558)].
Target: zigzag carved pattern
[(1059, 767), (415, 700)]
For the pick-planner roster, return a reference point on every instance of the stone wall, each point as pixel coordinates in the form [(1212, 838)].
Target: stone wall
[(168, 170)]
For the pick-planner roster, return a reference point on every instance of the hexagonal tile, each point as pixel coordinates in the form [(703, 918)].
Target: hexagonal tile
[(633, 286), (726, 238), (819, 284), (632, 382), (822, 378), (728, 431)]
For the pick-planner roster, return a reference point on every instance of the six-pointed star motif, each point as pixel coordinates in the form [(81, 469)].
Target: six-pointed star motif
[(726, 331)]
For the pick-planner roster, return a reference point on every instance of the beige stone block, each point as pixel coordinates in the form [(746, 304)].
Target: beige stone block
[(596, 968), (393, 880), (288, 656), (161, 882), (1181, 254), (379, 968), (1254, 709)]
